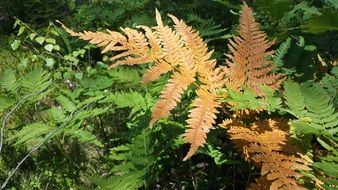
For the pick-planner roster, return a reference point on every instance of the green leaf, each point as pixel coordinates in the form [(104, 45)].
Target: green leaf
[(54, 32), (333, 3), (32, 36), (49, 62), (15, 44), (21, 30), (79, 75), (56, 47), (40, 39), (51, 40), (49, 47), (323, 23)]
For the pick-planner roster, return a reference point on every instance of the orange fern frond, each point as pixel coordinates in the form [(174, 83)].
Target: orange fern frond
[(248, 63), (203, 115), (156, 71), (201, 119), (171, 95), (267, 144), (181, 51)]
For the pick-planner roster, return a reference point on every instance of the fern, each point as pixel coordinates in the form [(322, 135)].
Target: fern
[(66, 104), (57, 115), (8, 81), (294, 99), (207, 28), (312, 105), (5, 103), (136, 101), (31, 133), (135, 160), (248, 100), (181, 51), (247, 61), (316, 114), (330, 83), (321, 110), (216, 154), (265, 143), (328, 165), (280, 54), (82, 135), (35, 80), (125, 182)]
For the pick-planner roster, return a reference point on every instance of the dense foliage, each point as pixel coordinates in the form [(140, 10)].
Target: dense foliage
[(69, 122)]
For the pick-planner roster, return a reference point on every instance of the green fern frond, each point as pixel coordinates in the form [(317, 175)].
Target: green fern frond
[(66, 103), (136, 156), (8, 81), (321, 109), (207, 28), (90, 113), (329, 166), (294, 99), (35, 80), (82, 135), (57, 115), (330, 83), (216, 154), (132, 99), (134, 161), (280, 53), (128, 181), (6, 102), (31, 133), (248, 99), (311, 104), (119, 153), (125, 75)]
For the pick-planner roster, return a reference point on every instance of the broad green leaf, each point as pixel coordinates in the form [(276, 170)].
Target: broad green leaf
[(21, 30), (78, 75), (15, 44), (40, 39), (56, 47), (32, 36), (49, 47), (51, 40), (49, 62), (328, 21)]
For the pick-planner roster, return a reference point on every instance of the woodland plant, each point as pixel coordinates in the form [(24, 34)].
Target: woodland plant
[(266, 126), (277, 111)]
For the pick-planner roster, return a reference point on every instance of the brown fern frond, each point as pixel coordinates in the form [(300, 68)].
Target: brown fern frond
[(247, 62), (266, 143), (201, 119), (181, 51), (203, 115), (171, 95), (155, 72)]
